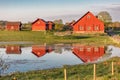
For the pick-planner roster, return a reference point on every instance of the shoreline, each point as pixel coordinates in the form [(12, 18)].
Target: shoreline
[(85, 71)]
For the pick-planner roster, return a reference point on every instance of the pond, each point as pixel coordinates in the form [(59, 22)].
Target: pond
[(36, 57)]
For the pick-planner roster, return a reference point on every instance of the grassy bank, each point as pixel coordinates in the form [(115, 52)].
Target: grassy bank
[(76, 72), (48, 37)]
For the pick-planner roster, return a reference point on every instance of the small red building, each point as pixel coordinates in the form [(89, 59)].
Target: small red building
[(88, 24), (13, 49), (41, 50), (39, 25), (42, 25), (88, 53), (13, 26), (50, 25)]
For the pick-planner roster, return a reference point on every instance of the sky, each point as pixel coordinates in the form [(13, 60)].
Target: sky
[(67, 10)]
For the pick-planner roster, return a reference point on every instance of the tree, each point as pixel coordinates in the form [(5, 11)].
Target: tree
[(106, 18), (67, 28), (2, 25), (3, 66), (59, 21), (58, 25), (26, 26)]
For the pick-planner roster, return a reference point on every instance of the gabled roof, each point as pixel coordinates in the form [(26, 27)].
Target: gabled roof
[(50, 21), (39, 50), (39, 53), (82, 17), (13, 23), (38, 20)]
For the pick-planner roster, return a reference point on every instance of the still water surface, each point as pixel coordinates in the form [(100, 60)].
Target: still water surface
[(36, 57)]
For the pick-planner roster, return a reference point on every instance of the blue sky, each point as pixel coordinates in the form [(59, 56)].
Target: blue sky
[(29, 10)]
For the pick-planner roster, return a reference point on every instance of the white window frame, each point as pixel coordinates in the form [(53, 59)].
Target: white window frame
[(96, 49), (96, 28), (81, 49), (88, 28), (81, 28)]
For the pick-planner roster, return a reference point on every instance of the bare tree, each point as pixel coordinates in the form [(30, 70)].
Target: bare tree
[(3, 66)]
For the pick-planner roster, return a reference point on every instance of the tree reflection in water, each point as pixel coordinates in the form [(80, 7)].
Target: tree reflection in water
[(3, 66)]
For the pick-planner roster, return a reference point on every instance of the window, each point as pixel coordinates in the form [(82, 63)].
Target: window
[(96, 28), (96, 49), (12, 48), (12, 27), (88, 28), (81, 49), (88, 49), (81, 28)]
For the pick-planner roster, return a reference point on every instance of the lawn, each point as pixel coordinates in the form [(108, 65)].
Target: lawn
[(49, 37)]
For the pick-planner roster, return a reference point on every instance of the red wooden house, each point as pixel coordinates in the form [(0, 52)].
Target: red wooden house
[(13, 26), (88, 24), (13, 49), (39, 25), (88, 53), (50, 25), (41, 50), (42, 25)]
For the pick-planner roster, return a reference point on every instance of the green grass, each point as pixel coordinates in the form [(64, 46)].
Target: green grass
[(48, 37), (75, 72)]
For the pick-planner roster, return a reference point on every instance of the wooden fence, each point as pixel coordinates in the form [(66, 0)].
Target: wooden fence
[(94, 71)]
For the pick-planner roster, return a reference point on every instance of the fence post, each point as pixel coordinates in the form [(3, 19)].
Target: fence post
[(65, 74), (78, 77), (14, 78), (112, 68), (94, 71)]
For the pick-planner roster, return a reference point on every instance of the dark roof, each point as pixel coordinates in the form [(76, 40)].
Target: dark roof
[(81, 17), (50, 22), (38, 20), (13, 23)]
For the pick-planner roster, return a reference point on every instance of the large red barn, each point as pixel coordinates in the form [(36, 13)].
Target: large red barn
[(42, 25), (13, 26), (88, 24), (88, 53)]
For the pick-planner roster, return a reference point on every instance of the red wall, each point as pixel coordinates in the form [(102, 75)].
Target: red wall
[(12, 27), (39, 25), (88, 20), (88, 53), (39, 50), (50, 26), (13, 49)]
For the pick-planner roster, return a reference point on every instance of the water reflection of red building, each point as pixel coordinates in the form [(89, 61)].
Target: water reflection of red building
[(41, 50), (88, 53), (13, 49)]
